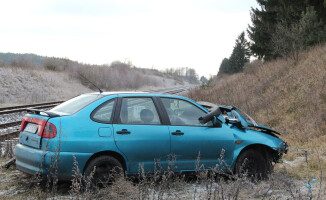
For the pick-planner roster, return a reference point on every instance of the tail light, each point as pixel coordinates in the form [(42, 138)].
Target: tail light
[(50, 131), (45, 129), (24, 122)]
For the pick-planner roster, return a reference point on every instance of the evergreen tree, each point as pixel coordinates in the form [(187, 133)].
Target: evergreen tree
[(224, 67), (289, 40), (240, 54), (203, 79), (311, 30), (274, 13), (239, 57)]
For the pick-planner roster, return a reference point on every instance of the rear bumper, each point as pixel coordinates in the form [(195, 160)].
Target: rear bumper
[(36, 161)]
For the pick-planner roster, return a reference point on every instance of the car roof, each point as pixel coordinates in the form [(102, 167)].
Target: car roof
[(136, 93), (153, 94), (119, 92)]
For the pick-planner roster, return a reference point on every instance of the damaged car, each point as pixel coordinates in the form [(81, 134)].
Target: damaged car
[(132, 130)]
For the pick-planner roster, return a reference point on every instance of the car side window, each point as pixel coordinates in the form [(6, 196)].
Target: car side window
[(103, 113), (183, 113), (138, 111)]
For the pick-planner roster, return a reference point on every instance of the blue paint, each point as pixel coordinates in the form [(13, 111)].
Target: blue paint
[(146, 144)]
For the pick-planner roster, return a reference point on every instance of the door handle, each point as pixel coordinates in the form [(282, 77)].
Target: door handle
[(177, 132), (123, 131)]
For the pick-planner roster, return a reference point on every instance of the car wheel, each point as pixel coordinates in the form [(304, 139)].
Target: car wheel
[(252, 164), (107, 169)]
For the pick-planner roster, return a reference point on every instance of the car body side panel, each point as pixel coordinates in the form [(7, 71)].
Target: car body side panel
[(210, 145), (45, 161), (251, 137), (80, 135), (145, 146)]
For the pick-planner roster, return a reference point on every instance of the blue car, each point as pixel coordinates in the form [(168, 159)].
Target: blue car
[(130, 130)]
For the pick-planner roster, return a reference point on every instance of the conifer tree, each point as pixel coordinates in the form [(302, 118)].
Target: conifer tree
[(240, 54)]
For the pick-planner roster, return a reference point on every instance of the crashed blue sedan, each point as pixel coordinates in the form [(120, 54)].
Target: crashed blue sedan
[(129, 130)]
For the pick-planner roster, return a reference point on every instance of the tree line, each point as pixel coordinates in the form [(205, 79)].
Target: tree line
[(114, 76), (185, 72), (280, 28)]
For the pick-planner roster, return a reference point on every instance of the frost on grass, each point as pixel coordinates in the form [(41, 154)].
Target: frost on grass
[(24, 86), (7, 148), (161, 185), (28, 85)]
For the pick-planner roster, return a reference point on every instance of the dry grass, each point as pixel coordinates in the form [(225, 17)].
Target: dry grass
[(202, 184), (288, 97), (161, 185), (121, 76)]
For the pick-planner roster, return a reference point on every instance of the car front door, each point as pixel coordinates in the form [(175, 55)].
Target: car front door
[(195, 145), (140, 135)]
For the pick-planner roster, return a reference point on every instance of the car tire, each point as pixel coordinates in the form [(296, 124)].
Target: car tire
[(252, 163), (107, 169)]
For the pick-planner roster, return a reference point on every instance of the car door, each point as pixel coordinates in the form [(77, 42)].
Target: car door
[(140, 135), (192, 141)]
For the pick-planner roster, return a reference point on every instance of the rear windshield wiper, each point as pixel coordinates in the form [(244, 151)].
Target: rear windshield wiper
[(38, 112)]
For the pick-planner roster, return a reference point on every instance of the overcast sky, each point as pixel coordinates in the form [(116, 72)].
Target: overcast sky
[(149, 33)]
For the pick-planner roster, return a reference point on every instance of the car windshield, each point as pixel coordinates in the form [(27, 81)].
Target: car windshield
[(246, 116), (75, 104)]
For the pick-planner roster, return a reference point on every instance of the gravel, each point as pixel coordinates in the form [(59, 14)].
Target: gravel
[(12, 117)]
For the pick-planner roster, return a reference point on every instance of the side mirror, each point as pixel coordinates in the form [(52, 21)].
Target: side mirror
[(234, 121), (216, 122), (238, 121), (210, 116)]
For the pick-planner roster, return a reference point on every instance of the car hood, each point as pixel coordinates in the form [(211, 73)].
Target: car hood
[(263, 129), (256, 126)]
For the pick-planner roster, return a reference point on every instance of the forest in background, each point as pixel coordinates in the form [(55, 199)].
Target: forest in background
[(278, 29)]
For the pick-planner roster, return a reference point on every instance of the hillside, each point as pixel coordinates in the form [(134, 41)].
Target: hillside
[(287, 96), (22, 59), (29, 78), (24, 86)]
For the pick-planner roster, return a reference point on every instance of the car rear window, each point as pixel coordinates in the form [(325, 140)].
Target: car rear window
[(75, 104)]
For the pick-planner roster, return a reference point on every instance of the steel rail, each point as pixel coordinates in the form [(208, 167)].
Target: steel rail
[(30, 105), (10, 124), (24, 108)]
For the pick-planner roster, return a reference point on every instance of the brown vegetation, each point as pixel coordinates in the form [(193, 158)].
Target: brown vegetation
[(214, 184), (59, 79), (115, 76), (289, 97)]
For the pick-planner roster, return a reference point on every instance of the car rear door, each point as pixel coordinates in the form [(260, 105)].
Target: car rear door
[(192, 142), (140, 134)]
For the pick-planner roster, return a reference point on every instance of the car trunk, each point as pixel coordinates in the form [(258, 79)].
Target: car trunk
[(32, 130)]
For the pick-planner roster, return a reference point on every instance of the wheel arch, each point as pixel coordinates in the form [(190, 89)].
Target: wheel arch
[(114, 154), (266, 151)]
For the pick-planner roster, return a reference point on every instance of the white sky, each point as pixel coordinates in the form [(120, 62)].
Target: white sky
[(149, 33)]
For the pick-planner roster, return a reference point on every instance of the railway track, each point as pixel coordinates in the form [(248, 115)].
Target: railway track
[(6, 110), (11, 129)]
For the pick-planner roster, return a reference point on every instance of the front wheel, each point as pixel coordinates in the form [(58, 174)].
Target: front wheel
[(253, 164)]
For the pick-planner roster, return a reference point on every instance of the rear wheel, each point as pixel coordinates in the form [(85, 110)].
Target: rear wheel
[(253, 164), (103, 170)]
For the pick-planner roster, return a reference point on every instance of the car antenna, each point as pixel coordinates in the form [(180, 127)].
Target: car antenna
[(91, 83)]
